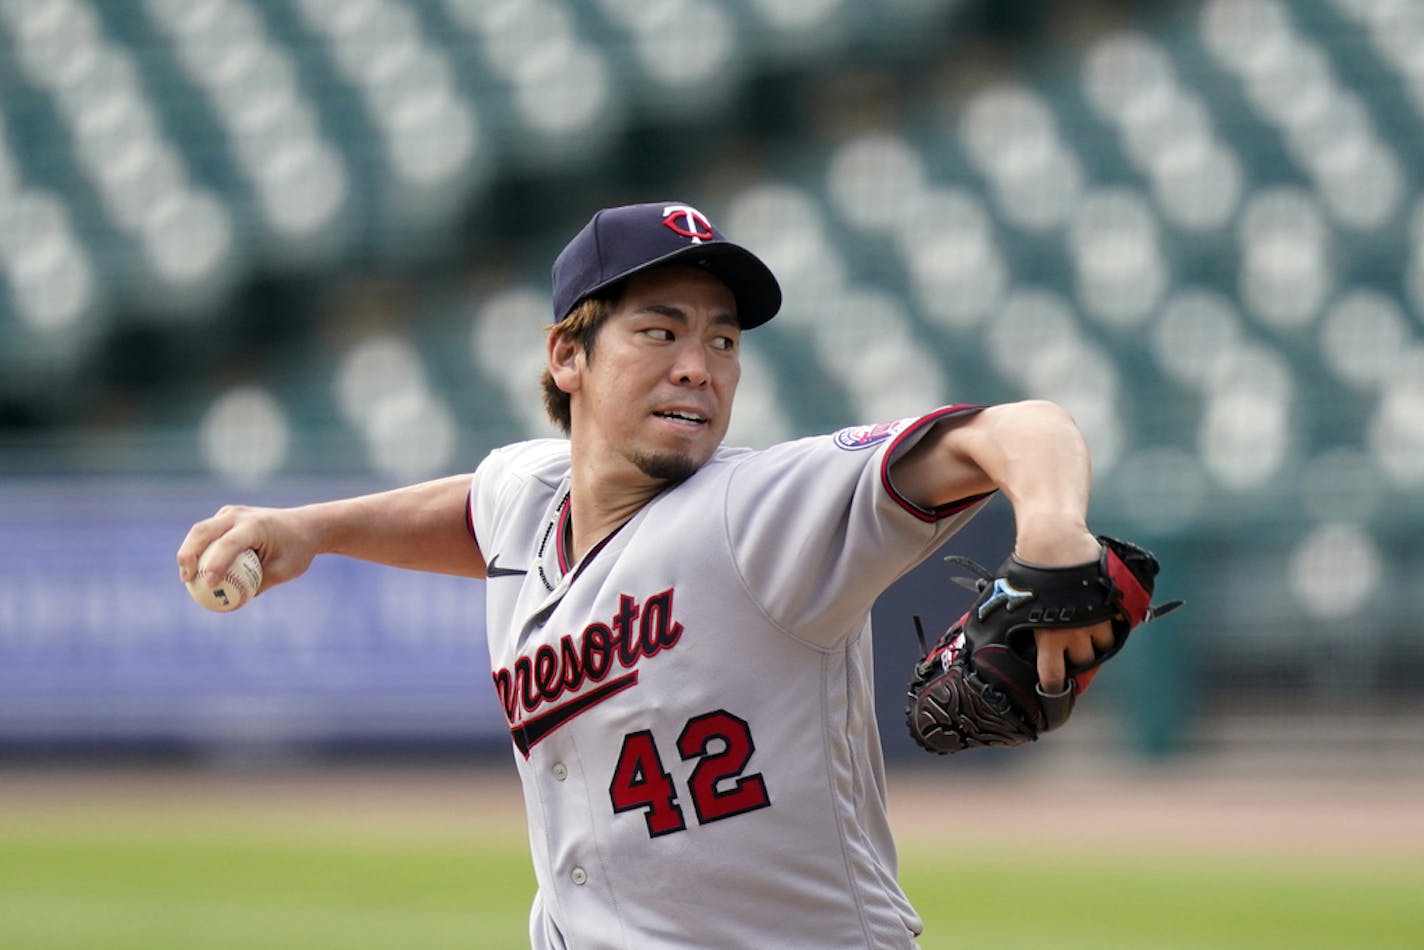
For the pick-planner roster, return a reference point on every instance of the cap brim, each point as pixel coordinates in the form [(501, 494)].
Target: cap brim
[(752, 283)]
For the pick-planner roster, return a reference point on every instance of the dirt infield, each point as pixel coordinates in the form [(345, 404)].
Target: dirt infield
[(1171, 810), (1171, 813)]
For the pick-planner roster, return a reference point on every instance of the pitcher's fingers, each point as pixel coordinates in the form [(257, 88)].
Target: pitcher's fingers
[(194, 544), (1081, 649), (1103, 637), (1052, 672), (199, 537)]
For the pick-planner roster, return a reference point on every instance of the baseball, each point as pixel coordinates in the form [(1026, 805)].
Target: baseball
[(240, 583)]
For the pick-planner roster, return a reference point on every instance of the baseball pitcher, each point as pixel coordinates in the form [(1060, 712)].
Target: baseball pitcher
[(679, 631)]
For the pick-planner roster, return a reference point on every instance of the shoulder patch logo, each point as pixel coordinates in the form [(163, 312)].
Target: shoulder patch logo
[(863, 437)]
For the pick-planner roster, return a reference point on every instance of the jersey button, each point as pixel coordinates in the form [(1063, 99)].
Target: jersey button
[(578, 876), (561, 771)]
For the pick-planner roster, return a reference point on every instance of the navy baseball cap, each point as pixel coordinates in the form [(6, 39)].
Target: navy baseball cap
[(619, 242)]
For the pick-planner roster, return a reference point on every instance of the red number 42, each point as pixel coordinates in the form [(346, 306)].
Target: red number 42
[(640, 781)]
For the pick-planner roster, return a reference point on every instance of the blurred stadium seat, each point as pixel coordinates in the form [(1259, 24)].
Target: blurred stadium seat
[(1198, 225)]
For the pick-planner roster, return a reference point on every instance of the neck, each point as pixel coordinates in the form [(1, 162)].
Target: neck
[(600, 501)]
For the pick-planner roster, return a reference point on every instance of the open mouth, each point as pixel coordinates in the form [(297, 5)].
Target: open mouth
[(675, 415)]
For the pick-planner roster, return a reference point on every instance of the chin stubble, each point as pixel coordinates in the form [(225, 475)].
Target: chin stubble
[(666, 467)]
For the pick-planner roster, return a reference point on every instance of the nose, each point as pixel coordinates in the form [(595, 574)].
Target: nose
[(690, 368)]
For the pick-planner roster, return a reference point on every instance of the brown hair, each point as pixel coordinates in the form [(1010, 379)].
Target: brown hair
[(582, 326)]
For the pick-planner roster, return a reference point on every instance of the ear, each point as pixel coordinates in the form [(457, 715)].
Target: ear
[(565, 362)]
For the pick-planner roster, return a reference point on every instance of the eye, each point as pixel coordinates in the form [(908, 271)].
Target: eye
[(661, 334), (725, 343)]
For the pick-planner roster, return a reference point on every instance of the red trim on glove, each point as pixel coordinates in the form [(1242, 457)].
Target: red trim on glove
[(1083, 680), (1136, 600)]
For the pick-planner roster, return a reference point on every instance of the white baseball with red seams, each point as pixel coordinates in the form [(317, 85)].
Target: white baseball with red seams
[(696, 692), (241, 582)]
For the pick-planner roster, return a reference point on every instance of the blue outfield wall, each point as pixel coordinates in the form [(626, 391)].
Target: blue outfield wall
[(101, 646), (100, 642)]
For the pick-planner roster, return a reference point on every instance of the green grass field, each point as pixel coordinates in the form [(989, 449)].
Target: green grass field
[(136, 879)]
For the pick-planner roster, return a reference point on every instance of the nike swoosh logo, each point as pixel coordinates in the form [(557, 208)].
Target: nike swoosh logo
[(528, 733), (494, 570)]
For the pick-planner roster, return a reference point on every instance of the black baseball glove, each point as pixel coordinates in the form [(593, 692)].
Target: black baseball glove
[(979, 686)]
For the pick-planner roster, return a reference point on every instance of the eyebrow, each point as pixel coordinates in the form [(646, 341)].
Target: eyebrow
[(678, 314)]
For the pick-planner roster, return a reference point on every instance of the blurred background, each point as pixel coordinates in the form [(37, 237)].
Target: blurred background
[(278, 251)]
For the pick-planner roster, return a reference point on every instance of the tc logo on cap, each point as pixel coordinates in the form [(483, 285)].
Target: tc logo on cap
[(689, 222)]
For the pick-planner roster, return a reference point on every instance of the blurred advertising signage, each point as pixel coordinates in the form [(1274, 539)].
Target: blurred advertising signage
[(99, 640)]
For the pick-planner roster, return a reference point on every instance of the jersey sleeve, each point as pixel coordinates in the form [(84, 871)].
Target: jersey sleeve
[(485, 484), (818, 530), (501, 475)]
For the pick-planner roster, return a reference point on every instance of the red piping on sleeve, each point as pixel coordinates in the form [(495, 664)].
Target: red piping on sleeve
[(943, 511)]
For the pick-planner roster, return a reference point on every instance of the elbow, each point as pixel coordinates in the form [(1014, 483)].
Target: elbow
[(1035, 416), (1043, 430), (1046, 410)]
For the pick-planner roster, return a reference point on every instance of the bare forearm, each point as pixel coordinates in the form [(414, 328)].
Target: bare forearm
[(421, 527), (1030, 451), (1036, 456)]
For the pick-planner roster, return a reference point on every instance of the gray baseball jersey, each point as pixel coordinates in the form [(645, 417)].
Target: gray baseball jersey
[(691, 703)]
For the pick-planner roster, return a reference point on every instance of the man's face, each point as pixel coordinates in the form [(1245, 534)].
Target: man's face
[(657, 394)]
